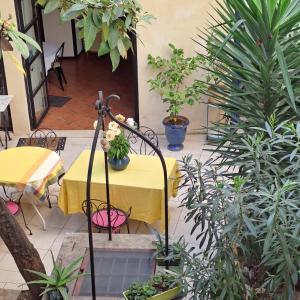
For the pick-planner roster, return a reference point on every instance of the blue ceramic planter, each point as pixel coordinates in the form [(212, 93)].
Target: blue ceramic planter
[(175, 133), (119, 164)]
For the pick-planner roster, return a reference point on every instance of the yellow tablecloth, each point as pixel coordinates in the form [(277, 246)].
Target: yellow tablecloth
[(140, 186), (30, 169)]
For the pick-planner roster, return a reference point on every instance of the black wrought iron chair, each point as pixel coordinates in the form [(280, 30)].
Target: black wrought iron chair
[(45, 138), (57, 66), (139, 146), (119, 218)]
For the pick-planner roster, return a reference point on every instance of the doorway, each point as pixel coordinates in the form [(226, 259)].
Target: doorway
[(85, 74)]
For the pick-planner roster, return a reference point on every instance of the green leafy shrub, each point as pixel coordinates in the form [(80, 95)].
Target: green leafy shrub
[(170, 82), (115, 20), (176, 248), (157, 285), (246, 223)]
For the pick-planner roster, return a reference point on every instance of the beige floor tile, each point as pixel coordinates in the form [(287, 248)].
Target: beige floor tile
[(59, 239), (75, 221), (15, 286), (7, 263), (53, 217), (11, 277), (43, 239), (47, 260)]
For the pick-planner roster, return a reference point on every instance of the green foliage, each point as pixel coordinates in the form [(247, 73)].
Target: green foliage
[(119, 147), (170, 82), (61, 276), (115, 20), (176, 249), (157, 284), (254, 52), (247, 223), (11, 38), (244, 202)]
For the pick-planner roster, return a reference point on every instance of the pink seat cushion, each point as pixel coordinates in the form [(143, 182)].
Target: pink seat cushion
[(12, 207), (118, 218)]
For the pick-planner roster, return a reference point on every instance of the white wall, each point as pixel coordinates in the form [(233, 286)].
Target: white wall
[(57, 32), (176, 22)]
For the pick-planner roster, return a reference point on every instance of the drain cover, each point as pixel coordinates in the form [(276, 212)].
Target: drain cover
[(115, 271)]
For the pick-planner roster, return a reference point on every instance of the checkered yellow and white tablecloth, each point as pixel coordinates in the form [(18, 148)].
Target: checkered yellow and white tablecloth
[(30, 169)]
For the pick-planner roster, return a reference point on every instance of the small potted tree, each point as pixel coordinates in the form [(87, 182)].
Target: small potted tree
[(160, 287), (176, 250), (171, 84), (56, 284)]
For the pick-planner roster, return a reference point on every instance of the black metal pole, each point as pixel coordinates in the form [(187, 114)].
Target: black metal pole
[(164, 167), (88, 198), (107, 183)]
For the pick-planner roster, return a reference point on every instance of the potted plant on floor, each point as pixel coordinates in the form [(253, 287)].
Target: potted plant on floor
[(176, 250), (56, 284), (171, 84), (160, 287)]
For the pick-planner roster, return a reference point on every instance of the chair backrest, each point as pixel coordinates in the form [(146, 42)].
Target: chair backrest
[(99, 206), (59, 56), (45, 138), (139, 146)]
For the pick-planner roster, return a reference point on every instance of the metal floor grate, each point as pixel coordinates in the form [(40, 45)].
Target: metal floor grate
[(115, 271)]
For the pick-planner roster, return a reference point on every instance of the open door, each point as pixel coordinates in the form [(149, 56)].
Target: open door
[(29, 23)]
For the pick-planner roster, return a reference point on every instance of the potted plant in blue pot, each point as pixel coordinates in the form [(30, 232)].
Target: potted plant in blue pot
[(115, 142), (171, 84)]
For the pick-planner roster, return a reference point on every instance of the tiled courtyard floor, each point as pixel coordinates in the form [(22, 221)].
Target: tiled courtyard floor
[(58, 224)]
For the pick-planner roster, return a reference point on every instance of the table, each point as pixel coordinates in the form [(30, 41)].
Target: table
[(4, 102), (30, 170), (140, 186), (49, 52)]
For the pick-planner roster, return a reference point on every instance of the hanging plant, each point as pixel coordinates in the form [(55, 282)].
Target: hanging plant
[(11, 38), (115, 20)]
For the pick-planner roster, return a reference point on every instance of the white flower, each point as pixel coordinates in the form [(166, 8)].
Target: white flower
[(95, 124), (130, 122), (105, 145), (110, 135), (117, 131), (120, 118), (113, 126)]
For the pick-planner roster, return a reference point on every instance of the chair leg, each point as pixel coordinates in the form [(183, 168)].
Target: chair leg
[(127, 225), (48, 198), (63, 75), (59, 77)]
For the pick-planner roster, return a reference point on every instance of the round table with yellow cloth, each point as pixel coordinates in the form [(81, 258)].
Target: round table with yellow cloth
[(140, 186)]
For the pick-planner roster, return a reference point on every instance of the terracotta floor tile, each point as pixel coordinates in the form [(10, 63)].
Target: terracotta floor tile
[(87, 75)]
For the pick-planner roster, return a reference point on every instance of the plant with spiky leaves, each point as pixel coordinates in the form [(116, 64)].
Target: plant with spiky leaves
[(60, 277)]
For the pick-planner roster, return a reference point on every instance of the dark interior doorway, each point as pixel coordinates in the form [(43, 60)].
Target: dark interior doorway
[(86, 75)]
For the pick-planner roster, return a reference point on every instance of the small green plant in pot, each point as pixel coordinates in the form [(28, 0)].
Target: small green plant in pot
[(176, 250), (116, 144), (160, 287), (171, 84), (56, 284)]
